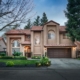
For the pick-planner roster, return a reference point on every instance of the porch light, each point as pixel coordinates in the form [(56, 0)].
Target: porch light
[(74, 48), (26, 48)]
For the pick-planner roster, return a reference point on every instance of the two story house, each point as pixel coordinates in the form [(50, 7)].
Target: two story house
[(50, 40)]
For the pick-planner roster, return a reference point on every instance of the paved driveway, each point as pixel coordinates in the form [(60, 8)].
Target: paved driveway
[(62, 63)]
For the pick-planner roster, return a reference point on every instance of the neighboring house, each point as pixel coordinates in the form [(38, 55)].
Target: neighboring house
[(50, 39), (2, 45)]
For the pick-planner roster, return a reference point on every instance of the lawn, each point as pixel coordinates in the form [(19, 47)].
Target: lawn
[(22, 61), (19, 62)]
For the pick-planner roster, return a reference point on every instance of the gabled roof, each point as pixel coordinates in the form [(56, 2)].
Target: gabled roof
[(19, 31), (34, 28), (51, 21), (37, 28), (77, 42)]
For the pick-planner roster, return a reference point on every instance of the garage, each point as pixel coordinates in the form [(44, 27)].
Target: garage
[(59, 52)]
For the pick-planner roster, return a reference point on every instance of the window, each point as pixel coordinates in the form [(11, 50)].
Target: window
[(28, 38), (65, 36), (15, 46), (51, 35), (15, 43)]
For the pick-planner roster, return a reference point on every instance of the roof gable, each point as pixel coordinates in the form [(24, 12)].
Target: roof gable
[(52, 22)]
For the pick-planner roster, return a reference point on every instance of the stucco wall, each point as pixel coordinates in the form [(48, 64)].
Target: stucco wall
[(2, 45), (53, 27), (64, 41), (10, 38), (37, 47)]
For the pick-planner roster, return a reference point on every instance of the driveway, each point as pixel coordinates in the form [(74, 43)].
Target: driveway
[(64, 63)]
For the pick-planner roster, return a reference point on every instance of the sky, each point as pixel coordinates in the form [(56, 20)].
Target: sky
[(54, 9)]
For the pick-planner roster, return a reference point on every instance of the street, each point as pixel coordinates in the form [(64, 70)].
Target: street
[(39, 74)]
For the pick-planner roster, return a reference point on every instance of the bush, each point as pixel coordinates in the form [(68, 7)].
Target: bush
[(6, 57), (17, 53), (36, 57), (45, 61), (13, 57), (2, 54), (20, 57), (38, 64), (9, 64)]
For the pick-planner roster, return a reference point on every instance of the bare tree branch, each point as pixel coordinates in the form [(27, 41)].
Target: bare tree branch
[(14, 11)]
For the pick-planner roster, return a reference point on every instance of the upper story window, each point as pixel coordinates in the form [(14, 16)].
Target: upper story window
[(28, 38), (51, 35), (65, 36), (15, 43)]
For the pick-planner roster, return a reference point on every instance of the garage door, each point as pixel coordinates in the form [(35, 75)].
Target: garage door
[(59, 52)]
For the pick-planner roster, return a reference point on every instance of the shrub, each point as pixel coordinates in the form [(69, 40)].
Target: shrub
[(9, 64), (38, 64), (20, 57), (6, 57), (36, 57), (17, 53), (45, 61), (2, 54), (48, 63)]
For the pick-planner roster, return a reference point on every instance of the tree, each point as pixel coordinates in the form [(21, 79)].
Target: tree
[(37, 21), (14, 11), (44, 19), (28, 26), (73, 23)]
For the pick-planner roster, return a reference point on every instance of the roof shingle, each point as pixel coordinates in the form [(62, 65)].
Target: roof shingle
[(19, 31), (62, 28)]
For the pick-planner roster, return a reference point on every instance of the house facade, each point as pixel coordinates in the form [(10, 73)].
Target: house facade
[(50, 40)]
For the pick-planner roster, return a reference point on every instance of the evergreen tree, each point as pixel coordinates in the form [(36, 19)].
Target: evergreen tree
[(28, 26), (73, 23), (37, 21), (44, 19), (15, 26)]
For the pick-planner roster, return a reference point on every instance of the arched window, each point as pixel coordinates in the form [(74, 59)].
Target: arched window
[(15, 46), (51, 35)]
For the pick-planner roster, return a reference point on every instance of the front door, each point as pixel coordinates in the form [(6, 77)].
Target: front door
[(27, 51)]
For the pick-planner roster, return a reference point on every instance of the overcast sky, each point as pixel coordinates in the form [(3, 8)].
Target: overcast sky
[(53, 8)]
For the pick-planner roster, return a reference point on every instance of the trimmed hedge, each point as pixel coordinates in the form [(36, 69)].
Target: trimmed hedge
[(20, 57), (13, 57), (6, 57), (2, 54), (17, 53)]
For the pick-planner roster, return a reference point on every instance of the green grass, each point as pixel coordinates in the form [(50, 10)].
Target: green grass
[(19, 62)]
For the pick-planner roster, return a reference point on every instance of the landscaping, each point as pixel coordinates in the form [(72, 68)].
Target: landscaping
[(19, 61)]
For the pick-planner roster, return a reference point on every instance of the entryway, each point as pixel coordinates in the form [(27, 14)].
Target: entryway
[(27, 51)]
